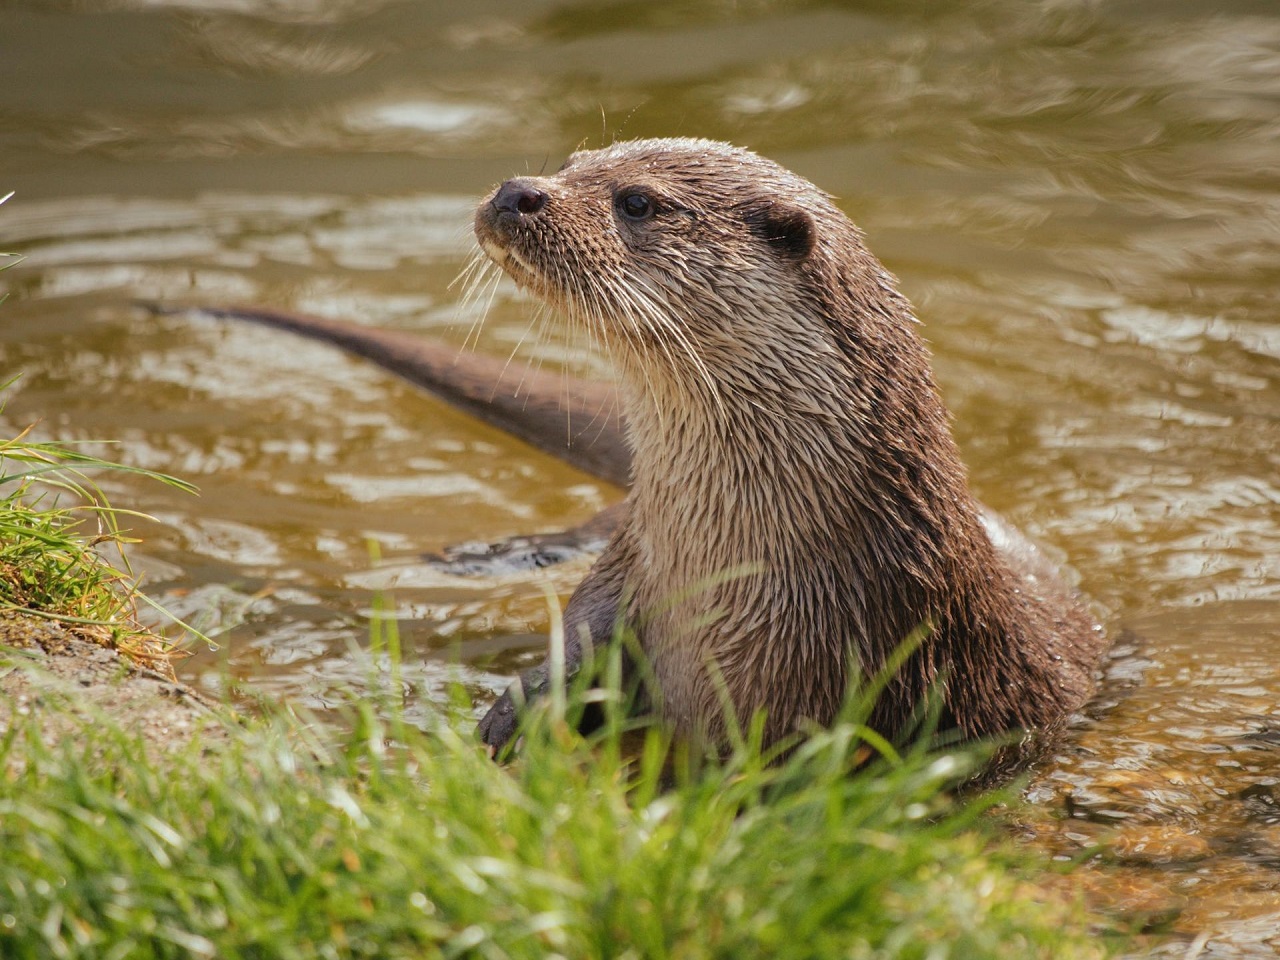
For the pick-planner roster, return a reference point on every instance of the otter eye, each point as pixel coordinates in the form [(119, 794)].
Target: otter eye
[(635, 206)]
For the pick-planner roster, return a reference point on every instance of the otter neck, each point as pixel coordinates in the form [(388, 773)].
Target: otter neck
[(853, 507)]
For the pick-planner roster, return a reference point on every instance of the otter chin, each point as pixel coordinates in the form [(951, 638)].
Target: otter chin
[(798, 508)]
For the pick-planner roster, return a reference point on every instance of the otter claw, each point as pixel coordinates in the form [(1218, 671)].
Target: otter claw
[(497, 727)]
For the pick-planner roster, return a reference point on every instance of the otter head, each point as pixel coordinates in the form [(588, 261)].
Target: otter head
[(692, 261)]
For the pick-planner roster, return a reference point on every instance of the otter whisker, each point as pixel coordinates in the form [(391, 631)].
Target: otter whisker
[(668, 330), (479, 272), (594, 307), (489, 295), (651, 325), (566, 400), (516, 349), (533, 364), (666, 318), (700, 367), (634, 333), (476, 262)]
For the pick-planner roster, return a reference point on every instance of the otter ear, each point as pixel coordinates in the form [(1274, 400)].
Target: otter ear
[(788, 230)]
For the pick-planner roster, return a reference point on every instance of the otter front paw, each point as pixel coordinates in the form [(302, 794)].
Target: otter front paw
[(497, 728)]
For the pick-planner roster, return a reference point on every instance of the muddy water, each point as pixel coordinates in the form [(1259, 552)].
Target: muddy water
[(1082, 200)]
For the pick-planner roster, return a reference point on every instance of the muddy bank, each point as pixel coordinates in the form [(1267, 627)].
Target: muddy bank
[(63, 682)]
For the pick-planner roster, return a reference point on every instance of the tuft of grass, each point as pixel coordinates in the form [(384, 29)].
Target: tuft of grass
[(390, 842), (53, 559)]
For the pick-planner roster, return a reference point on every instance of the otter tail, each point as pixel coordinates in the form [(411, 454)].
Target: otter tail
[(570, 418)]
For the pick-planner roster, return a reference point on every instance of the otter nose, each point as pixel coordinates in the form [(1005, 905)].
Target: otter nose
[(520, 197)]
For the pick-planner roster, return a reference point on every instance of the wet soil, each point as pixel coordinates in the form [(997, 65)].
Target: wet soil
[(58, 681)]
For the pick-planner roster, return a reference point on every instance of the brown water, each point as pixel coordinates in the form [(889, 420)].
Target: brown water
[(1081, 198)]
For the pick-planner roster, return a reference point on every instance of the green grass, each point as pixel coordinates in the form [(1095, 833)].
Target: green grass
[(391, 842), (54, 559)]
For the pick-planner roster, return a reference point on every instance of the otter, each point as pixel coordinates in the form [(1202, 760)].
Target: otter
[(797, 508)]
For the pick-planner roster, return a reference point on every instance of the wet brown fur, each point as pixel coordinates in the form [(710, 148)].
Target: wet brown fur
[(798, 506)]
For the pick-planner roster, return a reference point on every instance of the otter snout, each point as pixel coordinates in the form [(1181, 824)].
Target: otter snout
[(519, 197), (504, 218), (499, 218)]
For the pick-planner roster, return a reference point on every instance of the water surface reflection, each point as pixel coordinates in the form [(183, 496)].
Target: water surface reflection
[(1081, 199)]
